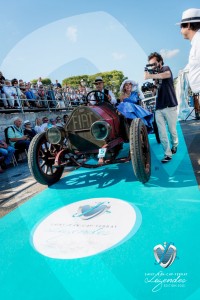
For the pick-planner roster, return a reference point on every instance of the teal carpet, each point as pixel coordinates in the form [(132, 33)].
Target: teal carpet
[(167, 209)]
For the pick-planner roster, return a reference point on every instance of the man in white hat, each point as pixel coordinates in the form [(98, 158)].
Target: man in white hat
[(99, 83), (190, 29)]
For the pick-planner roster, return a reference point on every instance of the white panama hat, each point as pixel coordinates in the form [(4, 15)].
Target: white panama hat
[(191, 15), (27, 122), (134, 84)]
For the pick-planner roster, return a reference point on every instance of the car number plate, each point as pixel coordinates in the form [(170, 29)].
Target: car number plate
[(102, 152)]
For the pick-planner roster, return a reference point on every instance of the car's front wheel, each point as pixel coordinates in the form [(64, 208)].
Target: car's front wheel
[(140, 150), (41, 158)]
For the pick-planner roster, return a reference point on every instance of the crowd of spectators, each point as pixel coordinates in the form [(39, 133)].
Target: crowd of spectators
[(17, 94), (19, 135)]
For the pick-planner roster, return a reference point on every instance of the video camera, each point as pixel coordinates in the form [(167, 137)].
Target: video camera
[(147, 87), (149, 68)]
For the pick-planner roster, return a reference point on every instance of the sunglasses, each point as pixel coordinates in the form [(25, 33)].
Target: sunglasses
[(184, 25)]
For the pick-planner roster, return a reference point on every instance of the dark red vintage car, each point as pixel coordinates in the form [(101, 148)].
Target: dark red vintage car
[(93, 132)]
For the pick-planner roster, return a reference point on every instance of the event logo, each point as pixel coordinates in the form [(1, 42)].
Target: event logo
[(87, 211), (86, 228), (165, 255)]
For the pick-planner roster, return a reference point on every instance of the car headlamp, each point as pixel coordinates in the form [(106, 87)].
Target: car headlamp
[(55, 135), (100, 130)]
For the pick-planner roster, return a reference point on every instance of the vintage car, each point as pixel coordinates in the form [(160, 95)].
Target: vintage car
[(93, 137)]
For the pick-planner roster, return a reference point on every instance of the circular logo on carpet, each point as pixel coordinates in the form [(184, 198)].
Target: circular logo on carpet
[(86, 228)]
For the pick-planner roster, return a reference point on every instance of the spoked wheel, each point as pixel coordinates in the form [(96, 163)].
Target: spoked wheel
[(41, 158), (140, 150)]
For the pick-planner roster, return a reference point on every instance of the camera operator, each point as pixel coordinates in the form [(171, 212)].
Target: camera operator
[(166, 103)]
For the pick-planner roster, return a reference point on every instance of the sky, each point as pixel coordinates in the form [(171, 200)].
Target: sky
[(63, 38)]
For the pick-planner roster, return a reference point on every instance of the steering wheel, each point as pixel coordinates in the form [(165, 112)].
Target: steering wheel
[(96, 96)]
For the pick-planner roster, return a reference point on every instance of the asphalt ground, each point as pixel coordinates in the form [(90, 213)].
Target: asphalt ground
[(17, 184)]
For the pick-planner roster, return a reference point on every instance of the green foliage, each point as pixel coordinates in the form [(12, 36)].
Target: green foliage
[(34, 81), (45, 81), (112, 80)]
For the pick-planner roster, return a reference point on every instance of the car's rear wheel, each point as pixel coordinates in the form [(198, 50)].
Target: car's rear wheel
[(140, 150), (41, 158)]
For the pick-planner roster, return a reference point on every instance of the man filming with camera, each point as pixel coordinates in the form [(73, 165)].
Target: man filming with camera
[(166, 103)]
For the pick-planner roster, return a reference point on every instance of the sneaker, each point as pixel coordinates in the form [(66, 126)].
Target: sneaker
[(166, 159), (174, 150)]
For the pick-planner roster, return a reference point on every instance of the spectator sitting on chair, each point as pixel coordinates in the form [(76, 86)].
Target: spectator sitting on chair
[(65, 119), (59, 98), (44, 125), (31, 96), (29, 131), (17, 139), (7, 152), (51, 123), (58, 122), (2, 94), (38, 123), (10, 93), (20, 95), (51, 96), (42, 96)]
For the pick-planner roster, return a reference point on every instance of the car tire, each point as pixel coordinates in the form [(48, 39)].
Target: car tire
[(140, 150), (40, 164)]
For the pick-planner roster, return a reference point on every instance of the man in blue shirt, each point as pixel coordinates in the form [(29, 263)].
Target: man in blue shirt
[(17, 139)]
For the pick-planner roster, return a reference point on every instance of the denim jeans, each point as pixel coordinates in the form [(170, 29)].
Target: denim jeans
[(167, 118), (7, 153)]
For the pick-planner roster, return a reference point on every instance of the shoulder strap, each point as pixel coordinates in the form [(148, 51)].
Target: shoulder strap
[(6, 133)]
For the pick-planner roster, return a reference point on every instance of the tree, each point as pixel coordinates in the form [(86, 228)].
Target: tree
[(45, 81), (112, 79)]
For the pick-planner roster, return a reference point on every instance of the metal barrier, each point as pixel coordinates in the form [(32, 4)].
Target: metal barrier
[(44, 99), (50, 99)]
